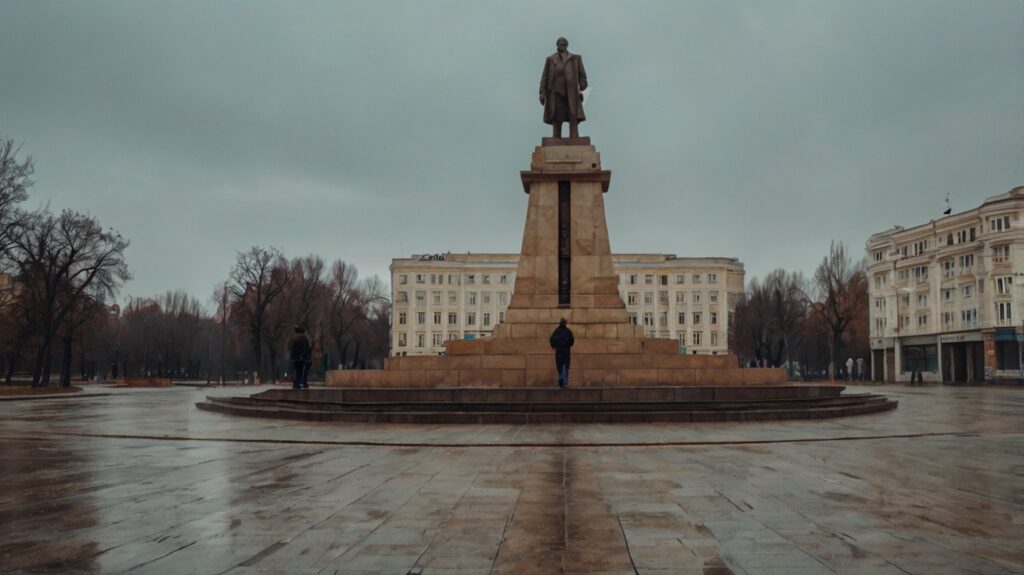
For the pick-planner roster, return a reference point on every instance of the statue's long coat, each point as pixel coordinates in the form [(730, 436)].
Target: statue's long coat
[(576, 82)]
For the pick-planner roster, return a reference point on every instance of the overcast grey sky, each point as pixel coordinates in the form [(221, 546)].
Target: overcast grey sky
[(371, 130)]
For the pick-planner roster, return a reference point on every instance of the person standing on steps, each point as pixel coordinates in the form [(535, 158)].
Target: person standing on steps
[(561, 341), (300, 354)]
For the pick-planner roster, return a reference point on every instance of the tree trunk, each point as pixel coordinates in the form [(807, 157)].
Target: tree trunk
[(65, 364)]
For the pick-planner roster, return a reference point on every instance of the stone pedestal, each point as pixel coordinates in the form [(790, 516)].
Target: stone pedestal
[(565, 270)]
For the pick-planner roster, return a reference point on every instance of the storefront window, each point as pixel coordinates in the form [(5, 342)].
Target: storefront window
[(920, 358)]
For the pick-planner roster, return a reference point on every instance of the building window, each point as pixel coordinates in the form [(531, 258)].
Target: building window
[(648, 298), (713, 297), (437, 298), (401, 340), (922, 321), (696, 278), (967, 290), (696, 297), (680, 278), (453, 318), (681, 318), (421, 318), (967, 261), (920, 247), (947, 319), (921, 273), (879, 303), (434, 279), (437, 318), (1003, 285), (663, 297), (503, 278), (999, 224), (877, 255), (648, 279), (696, 318), (948, 294), (421, 340), (968, 318), (501, 316), (421, 298), (903, 275), (487, 319), (632, 279), (1001, 254), (631, 298), (947, 269), (680, 297), (714, 318), (696, 338), (905, 299), (1003, 312), (632, 318), (471, 279), (922, 300), (471, 298), (664, 280), (648, 319), (403, 279), (487, 278), (714, 339), (453, 298), (503, 298), (437, 339), (663, 319), (453, 279), (403, 297), (486, 296), (712, 278), (879, 278), (470, 318), (402, 318), (421, 278)]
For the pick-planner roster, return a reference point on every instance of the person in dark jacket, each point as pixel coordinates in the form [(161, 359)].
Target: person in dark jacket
[(561, 341), (301, 356)]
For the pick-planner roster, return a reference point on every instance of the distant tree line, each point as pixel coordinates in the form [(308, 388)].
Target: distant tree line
[(810, 326), (60, 275)]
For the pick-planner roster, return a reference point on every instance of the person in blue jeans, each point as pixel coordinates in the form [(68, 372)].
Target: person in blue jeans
[(561, 341)]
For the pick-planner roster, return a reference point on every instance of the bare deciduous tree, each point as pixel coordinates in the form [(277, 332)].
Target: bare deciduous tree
[(259, 277), (841, 294)]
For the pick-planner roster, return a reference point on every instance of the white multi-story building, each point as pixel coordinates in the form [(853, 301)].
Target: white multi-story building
[(943, 300), (463, 296)]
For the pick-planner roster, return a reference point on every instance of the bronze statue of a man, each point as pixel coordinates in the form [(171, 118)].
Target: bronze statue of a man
[(561, 87)]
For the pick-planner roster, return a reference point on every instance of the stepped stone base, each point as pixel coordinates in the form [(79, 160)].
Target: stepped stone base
[(594, 405)]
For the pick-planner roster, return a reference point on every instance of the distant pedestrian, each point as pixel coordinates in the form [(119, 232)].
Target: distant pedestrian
[(860, 368), (849, 368), (300, 354), (561, 341)]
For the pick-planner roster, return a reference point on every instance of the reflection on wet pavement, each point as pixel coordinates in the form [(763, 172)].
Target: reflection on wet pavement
[(140, 481)]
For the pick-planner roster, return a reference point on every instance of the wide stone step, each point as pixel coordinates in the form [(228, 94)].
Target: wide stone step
[(551, 394), (604, 360), (555, 406), (547, 378), (458, 417)]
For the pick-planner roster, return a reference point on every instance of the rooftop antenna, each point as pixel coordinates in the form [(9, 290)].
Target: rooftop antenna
[(948, 208)]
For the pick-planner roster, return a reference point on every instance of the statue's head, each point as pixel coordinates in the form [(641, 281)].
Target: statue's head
[(562, 44)]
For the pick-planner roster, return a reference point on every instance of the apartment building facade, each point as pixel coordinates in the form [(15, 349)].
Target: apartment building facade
[(463, 296), (944, 296)]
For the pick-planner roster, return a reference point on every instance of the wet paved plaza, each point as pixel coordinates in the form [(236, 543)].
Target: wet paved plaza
[(141, 481)]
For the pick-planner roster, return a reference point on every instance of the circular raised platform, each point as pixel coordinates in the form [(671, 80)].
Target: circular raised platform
[(574, 405)]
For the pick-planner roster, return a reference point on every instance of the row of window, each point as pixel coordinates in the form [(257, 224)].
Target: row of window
[(453, 318), (453, 298), (995, 224), (1000, 254), (633, 298), (654, 279), (453, 279), (968, 318), (697, 317)]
